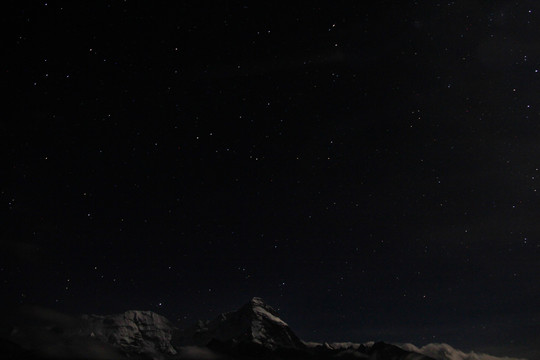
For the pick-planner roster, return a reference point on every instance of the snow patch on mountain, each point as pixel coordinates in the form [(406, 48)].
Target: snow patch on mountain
[(447, 352), (261, 312), (340, 345)]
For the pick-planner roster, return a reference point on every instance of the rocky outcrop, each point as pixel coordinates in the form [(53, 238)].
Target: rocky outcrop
[(140, 332)]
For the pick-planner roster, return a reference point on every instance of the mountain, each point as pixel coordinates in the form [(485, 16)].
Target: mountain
[(383, 351), (255, 331), (35, 332), (447, 352), (255, 323), (141, 332)]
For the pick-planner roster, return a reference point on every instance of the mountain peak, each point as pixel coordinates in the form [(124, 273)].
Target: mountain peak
[(256, 300), (254, 303), (259, 310), (254, 323)]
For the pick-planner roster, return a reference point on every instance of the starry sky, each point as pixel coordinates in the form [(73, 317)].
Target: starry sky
[(369, 169)]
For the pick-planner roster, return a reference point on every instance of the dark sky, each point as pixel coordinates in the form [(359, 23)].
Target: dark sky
[(369, 170)]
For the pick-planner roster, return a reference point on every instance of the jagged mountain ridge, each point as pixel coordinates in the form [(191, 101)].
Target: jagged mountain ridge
[(447, 352), (255, 323), (133, 331), (255, 331), (42, 333)]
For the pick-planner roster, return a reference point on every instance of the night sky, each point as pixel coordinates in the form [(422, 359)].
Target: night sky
[(368, 169)]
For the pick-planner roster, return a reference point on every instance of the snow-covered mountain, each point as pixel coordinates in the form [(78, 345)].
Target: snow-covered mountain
[(369, 350), (255, 331), (435, 351), (254, 323), (141, 332), (340, 345), (447, 352)]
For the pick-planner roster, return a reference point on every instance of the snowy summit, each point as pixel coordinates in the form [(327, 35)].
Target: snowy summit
[(254, 323)]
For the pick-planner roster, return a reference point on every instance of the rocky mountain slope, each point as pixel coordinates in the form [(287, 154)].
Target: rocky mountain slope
[(141, 332), (255, 331), (254, 323)]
